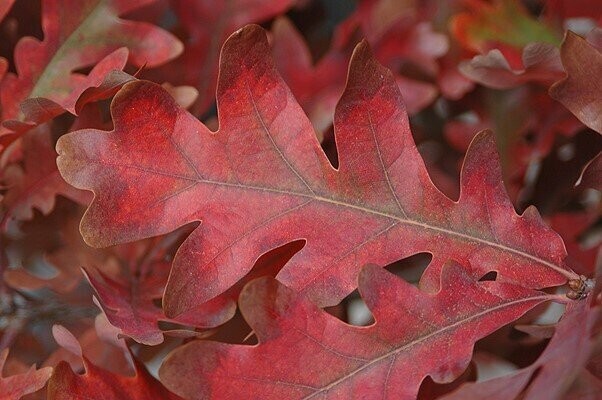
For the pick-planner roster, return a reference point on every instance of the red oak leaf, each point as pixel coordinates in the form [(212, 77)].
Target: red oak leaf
[(36, 185), (131, 308), (77, 35), (395, 33), (263, 181), (415, 335), (403, 33), (127, 299), (96, 382), (37, 110), (554, 371), (99, 383), (105, 352), (16, 386), (541, 64), (129, 305), (581, 90), (316, 88)]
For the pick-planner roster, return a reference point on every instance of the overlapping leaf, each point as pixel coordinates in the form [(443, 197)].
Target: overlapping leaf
[(537, 123), (37, 110), (263, 181), (98, 383), (414, 335), (16, 386), (317, 88), (555, 371), (580, 90), (37, 184), (99, 343), (129, 303), (77, 35), (541, 63)]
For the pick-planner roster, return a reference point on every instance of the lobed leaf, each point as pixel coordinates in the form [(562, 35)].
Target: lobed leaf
[(541, 64), (37, 184), (99, 383), (16, 386), (305, 353), (77, 35), (263, 181), (129, 304)]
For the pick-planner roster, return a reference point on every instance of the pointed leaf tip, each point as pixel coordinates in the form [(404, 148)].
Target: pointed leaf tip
[(365, 71), (482, 158), (363, 51), (531, 213), (242, 44), (250, 32), (483, 139)]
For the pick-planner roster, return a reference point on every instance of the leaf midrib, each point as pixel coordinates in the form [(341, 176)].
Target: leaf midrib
[(421, 339), (339, 203), (393, 353)]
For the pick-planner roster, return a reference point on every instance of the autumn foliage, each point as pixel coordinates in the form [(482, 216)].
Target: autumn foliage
[(300, 199)]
